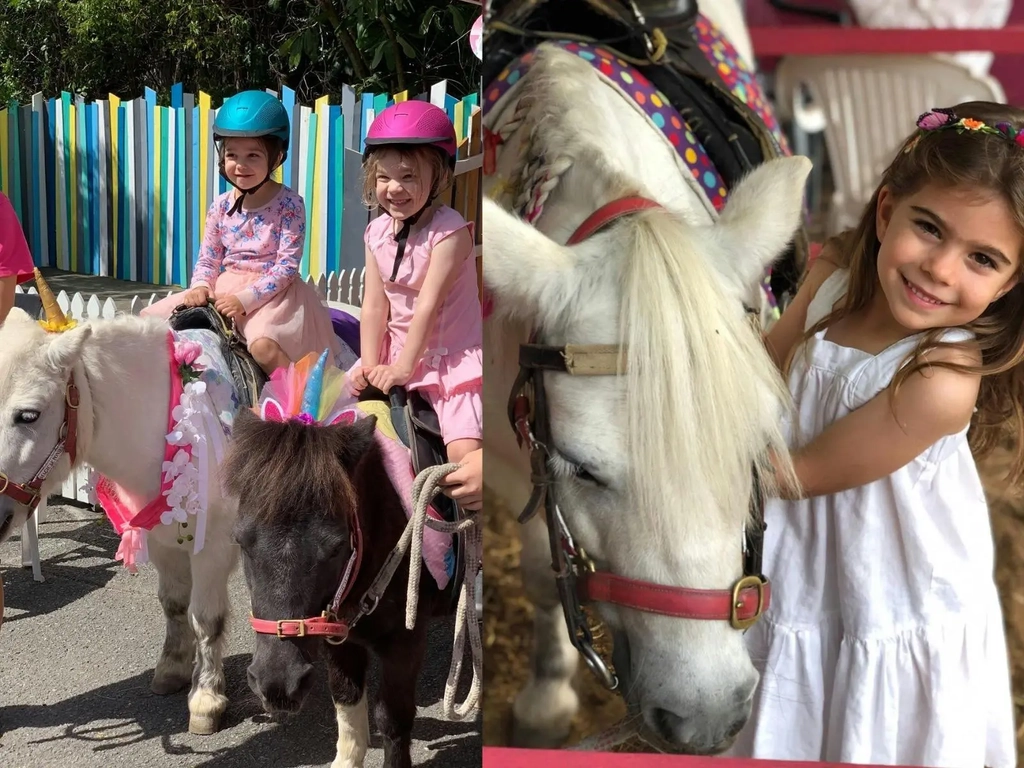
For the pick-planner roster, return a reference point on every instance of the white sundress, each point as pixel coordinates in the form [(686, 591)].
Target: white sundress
[(884, 643)]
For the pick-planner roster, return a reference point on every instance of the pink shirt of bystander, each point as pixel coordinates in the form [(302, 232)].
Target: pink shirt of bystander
[(15, 258)]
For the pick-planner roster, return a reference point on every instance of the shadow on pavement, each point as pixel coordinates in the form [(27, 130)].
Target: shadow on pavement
[(67, 579)]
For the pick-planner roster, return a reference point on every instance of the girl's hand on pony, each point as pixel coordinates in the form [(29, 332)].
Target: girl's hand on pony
[(384, 377), (357, 378), (466, 485), (197, 297), (230, 306)]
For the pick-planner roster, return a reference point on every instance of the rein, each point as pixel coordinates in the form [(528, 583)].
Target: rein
[(29, 494), (577, 577)]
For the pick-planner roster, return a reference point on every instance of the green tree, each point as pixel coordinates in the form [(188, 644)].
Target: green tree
[(379, 45), (96, 47)]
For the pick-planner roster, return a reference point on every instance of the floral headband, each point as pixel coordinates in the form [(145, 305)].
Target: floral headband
[(940, 119)]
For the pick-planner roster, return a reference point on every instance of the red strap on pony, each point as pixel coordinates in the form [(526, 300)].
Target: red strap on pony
[(608, 213)]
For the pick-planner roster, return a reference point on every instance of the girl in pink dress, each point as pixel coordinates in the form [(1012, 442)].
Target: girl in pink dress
[(421, 324), (248, 264)]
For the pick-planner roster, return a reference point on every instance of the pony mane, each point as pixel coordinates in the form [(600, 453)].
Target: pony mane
[(704, 399), (297, 467)]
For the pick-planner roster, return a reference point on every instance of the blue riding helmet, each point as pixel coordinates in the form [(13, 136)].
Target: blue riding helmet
[(251, 115)]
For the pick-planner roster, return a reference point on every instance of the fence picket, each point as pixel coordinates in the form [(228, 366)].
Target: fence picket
[(129, 182)]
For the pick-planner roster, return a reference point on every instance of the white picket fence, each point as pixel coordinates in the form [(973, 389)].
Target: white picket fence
[(343, 290)]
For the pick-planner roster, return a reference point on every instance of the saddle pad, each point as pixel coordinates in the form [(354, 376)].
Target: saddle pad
[(735, 75)]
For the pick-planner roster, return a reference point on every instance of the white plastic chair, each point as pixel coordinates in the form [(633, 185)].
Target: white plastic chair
[(866, 106), (30, 542)]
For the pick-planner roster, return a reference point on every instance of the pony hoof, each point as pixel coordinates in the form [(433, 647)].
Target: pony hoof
[(164, 686), (203, 725)]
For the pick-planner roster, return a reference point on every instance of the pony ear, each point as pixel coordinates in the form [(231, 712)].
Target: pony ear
[(66, 348), (355, 440), (760, 219), (525, 272)]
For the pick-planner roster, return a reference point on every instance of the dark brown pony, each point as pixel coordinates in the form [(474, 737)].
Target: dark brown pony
[(300, 489)]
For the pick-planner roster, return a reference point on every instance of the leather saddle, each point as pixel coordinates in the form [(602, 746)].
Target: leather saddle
[(734, 136), (419, 430), (248, 377)]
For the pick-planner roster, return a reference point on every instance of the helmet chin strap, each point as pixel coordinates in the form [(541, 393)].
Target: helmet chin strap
[(403, 236), (243, 192)]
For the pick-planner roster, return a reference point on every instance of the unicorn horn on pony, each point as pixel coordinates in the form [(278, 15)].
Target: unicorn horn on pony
[(309, 391), (56, 321)]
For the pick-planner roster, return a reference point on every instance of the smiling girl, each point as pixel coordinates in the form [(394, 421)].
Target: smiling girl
[(248, 263), (884, 643), (421, 323)]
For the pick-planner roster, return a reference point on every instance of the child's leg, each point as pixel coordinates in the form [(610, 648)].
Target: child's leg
[(268, 354), (165, 307), (461, 420)]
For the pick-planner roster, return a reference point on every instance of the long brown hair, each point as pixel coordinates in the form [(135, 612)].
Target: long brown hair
[(976, 161)]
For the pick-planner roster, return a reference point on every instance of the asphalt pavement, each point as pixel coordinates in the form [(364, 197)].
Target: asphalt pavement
[(77, 653)]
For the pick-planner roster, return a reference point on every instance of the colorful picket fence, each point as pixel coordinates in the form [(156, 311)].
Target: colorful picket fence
[(121, 188)]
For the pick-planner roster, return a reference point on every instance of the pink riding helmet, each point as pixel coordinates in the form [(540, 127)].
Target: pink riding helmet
[(413, 122)]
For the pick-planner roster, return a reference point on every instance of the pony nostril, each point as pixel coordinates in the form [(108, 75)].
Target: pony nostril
[(299, 684), (667, 724), (736, 727)]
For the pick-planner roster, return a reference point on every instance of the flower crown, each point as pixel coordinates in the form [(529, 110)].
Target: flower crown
[(940, 118)]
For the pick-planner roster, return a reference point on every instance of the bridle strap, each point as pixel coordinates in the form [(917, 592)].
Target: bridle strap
[(574, 359), (608, 213), (28, 494), (745, 603), (327, 624), (324, 625)]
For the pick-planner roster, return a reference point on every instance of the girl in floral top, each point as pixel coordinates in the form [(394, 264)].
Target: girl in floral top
[(248, 264)]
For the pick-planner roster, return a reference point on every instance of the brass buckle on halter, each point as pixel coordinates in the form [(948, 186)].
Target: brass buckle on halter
[(581, 561), (282, 622), (734, 619), (6, 481)]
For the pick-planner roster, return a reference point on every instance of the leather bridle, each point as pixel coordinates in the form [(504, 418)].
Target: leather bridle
[(577, 578), (29, 494)]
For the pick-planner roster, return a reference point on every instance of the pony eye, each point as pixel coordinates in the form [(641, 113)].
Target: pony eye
[(583, 474), (26, 417)]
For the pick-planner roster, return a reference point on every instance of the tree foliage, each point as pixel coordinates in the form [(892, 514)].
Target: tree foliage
[(96, 47)]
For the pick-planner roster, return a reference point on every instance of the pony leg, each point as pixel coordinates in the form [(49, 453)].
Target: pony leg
[(208, 614), (396, 711), (174, 667), (346, 677), (543, 711)]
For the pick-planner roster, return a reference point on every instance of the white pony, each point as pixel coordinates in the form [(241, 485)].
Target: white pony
[(652, 469), (121, 370)]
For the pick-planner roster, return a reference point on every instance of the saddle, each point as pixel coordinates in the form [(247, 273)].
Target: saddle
[(248, 377), (419, 430), (665, 50)]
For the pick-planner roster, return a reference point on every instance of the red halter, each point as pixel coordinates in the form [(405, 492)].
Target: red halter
[(67, 442)]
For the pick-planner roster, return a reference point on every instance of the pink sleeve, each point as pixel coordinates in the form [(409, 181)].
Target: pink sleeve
[(15, 258), (446, 223), (211, 251)]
